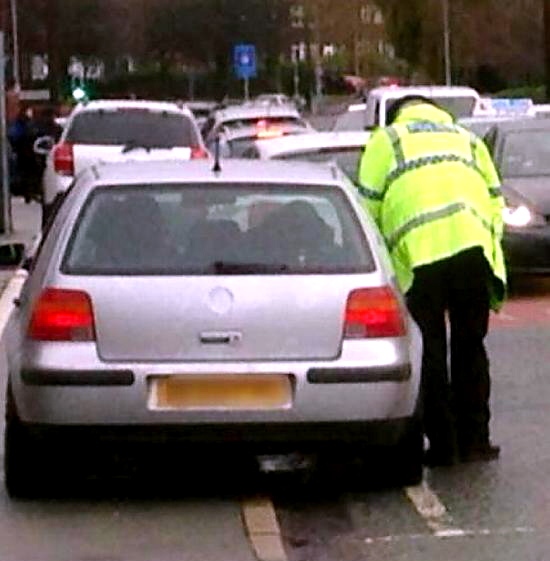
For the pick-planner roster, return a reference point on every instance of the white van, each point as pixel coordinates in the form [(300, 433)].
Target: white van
[(459, 100)]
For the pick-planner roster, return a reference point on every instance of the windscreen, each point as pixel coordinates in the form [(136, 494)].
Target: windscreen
[(460, 106), (526, 153), (132, 126), (346, 157), (350, 121), (217, 230)]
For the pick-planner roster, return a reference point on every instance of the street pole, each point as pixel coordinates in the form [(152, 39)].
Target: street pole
[(447, 42), (546, 7), (15, 40), (246, 89), (5, 200)]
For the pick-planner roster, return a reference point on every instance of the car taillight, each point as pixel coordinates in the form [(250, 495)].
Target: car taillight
[(62, 315), (373, 312), (198, 153), (63, 158)]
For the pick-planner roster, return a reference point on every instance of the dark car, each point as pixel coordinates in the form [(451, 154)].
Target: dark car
[(521, 151)]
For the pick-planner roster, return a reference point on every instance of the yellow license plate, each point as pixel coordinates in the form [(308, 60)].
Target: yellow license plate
[(236, 392)]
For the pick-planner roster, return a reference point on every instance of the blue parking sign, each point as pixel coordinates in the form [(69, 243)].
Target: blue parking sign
[(244, 61)]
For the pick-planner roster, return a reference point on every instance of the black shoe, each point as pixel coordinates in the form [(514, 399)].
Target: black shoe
[(435, 458), (480, 453)]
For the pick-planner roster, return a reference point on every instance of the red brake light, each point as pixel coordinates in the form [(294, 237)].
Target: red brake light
[(373, 312), (63, 158), (198, 153), (62, 315), (274, 132)]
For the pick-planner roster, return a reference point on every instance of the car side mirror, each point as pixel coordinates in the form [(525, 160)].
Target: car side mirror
[(11, 254), (43, 145)]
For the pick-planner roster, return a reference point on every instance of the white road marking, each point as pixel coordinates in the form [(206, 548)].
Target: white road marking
[(262, 528), (432, 510), (10, 293), (483, 532)]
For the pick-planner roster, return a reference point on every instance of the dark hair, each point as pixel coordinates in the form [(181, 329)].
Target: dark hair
[(395, 107)]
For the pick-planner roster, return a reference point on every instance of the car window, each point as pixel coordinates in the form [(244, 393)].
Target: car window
[(221, 229), (346, 157), (350, 121), (458, 106), (123, 126), (263, 122), (526, 153)]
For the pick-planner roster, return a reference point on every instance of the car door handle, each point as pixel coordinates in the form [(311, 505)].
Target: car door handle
[(220, 337)]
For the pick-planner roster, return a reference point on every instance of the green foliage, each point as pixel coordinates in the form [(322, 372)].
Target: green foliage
[(536, 93)]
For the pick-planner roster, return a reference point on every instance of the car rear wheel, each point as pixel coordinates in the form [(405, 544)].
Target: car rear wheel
[(396, 465), (405, 461), (20, 467)]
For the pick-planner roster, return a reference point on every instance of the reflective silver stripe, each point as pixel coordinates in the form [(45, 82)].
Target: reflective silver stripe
[(370, 193), (397, 146), (495, 192), (430, 126), (487, 225), (432, 216), (473, 148), (427, 161)]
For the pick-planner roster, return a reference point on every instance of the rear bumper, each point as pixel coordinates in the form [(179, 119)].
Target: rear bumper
[(49, 389), (528, 251), (259, 438)]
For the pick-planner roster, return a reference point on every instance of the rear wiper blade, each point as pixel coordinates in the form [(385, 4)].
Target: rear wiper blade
[(243, 268), (133, 145)]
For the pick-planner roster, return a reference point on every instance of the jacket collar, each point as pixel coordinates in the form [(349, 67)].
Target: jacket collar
[(423, 112)]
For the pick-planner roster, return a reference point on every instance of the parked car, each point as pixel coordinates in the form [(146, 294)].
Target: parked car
[(343, 148), (481, 125), (460, 101), (234, 142), (252, 114), (249, 307), (201, 110), (521, 150), (116, 130)]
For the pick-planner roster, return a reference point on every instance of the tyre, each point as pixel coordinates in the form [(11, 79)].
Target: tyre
[(46, 212), (406, 460), (396, 465), (19, 455)]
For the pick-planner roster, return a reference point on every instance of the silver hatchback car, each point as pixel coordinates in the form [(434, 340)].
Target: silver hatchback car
[(253, 305)]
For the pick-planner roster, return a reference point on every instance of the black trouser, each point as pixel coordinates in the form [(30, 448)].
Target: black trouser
[(456, 410)]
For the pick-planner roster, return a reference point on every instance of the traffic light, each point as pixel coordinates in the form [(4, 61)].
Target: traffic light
[(79, 90)]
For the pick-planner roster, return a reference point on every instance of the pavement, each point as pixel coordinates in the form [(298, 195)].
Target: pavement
[(25, 229)]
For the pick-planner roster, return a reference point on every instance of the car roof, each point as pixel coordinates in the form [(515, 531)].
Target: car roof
[(200, 171), (529, 123), (310, 141), (113, 104), (436, 90)]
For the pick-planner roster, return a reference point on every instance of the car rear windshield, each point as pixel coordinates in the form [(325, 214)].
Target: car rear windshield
[(262, 122), (526, 153), (217, 230), (132, 127), (346, 157)]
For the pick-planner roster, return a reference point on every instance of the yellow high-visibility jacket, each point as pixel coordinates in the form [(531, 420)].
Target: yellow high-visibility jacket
[(433, 190)]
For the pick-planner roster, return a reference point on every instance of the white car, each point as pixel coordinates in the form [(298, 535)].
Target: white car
[(252, 114), (459, 100), (118, 130), (234, 142), (344, 148)]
